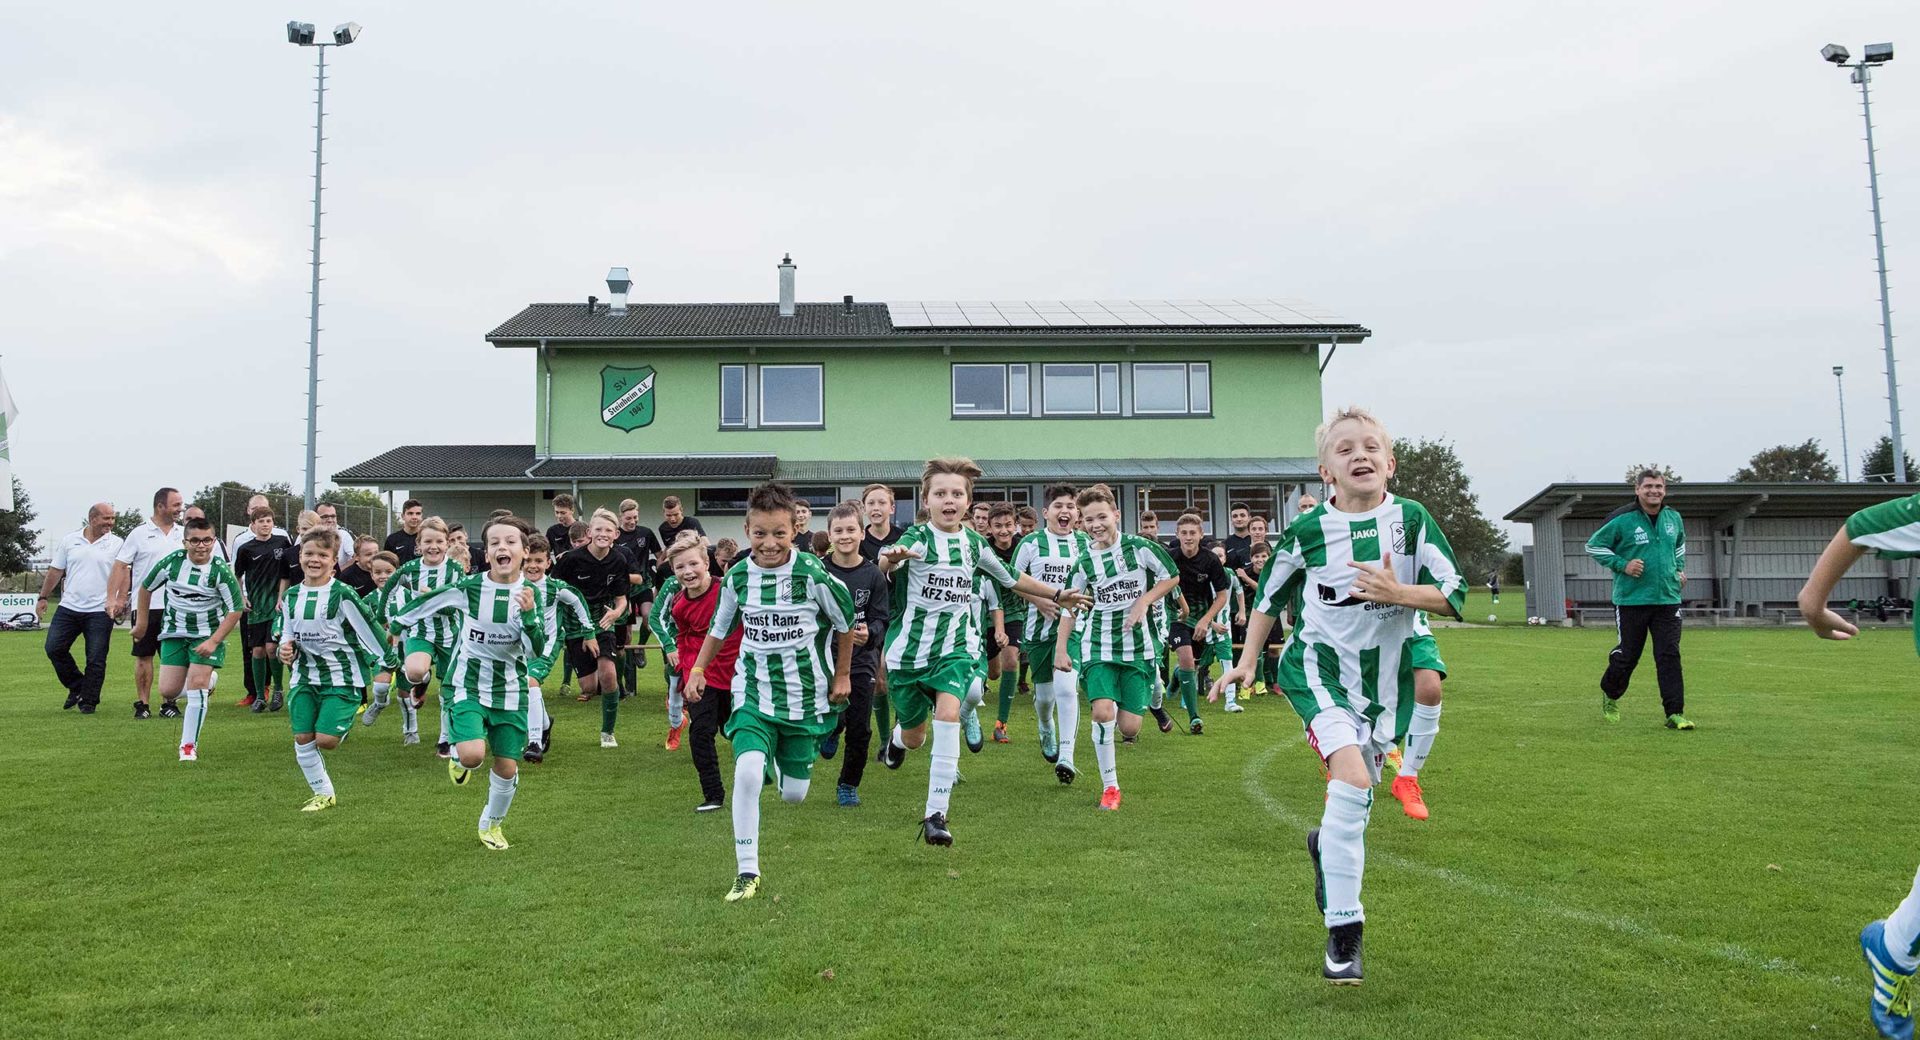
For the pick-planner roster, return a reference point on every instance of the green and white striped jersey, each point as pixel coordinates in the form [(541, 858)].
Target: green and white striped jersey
[(498, 643), (567, 617), (198, 596), (1890, 530), (933, 596), (1345, 651), (787, 616), (1049, 558), (1116, 577), (335, 638), (660, 618), (414, 579)]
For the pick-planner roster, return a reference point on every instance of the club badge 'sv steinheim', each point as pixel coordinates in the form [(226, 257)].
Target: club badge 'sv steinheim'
[(626, 397)]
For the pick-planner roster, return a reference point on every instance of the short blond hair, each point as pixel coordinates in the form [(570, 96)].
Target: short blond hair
[(689, 541), (603, 513), (1323, 435), (954, 465)]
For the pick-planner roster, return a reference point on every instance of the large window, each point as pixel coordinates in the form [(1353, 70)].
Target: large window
[(772, 397), (732, 501), (1090, 389), (1019, 495), (990, 390), (1168, 501), (1261, 500), (1172, 388)]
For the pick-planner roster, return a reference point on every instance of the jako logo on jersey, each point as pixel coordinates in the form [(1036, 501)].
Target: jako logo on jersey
[(1366, 532), (626, 397)]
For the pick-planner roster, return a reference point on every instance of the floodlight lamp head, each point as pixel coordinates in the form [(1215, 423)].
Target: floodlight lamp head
[(300, 33), (617, 280), (1878, 53), (1838, 369), (345, 33), (1835, 53)]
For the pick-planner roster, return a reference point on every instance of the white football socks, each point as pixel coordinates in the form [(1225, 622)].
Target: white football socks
[(446, 723), (1420, 733), (1043, 708), (749, 774), (409, 717), (793, 789), (380, 693), (946, 766), (1066, 701), (1343, 850), (308, 755), (676, 704), (191, 718), (499, 798), (536, 716), (1103, 753), (1903, 928)]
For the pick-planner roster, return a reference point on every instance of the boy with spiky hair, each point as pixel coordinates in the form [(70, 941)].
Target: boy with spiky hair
[(426, 647), (1125, 575), (791, 675), (1048, 555), (1369, 564), (568, 618), (504, 635), (1890, 945), (203, 605), (933, 645), (333, 642)]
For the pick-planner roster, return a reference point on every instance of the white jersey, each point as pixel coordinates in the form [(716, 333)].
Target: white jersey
[(1116, 577), (1049, 558), (1345, 651), (933, 596)]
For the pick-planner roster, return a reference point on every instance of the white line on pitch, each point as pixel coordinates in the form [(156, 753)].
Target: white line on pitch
[(1257, 765)]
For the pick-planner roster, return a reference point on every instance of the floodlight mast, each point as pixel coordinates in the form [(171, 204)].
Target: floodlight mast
[(302, 34), (1877, 54), (1846, 460)]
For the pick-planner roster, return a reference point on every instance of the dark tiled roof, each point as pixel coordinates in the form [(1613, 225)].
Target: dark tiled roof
[(867, 321), (1079, 470), (440, 462)]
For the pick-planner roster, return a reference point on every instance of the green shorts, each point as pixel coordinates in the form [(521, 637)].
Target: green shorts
[(442, 657), (322, 709), (504, 731), (1040, 654), (790, 745), (1128, 684), (913, 691), (1425, 653), (179, 653)]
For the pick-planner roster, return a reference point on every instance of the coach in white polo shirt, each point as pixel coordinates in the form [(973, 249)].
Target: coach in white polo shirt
[(84, 561), (146, 545), (329, 515)]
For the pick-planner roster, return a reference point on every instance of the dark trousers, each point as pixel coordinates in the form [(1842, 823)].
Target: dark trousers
[(705, 718), (856, 725), (67, 626), (1634, 624)]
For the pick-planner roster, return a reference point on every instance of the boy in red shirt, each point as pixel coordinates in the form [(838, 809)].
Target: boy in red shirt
[(708, 707)]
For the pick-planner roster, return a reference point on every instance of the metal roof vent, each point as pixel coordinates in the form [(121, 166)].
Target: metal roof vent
[(618, 283)]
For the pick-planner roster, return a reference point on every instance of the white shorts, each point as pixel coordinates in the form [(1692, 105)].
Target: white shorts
[(1336, 728)]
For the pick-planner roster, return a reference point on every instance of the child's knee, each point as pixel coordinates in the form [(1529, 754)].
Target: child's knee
[(1426, 686), (326, 741), (793, 789)]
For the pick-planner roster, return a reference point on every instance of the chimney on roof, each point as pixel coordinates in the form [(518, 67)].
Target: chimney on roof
[(786, 286), (618, 283), (846, 302), (591, 300)]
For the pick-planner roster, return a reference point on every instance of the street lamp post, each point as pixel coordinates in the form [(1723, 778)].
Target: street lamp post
[(302, 33), (1876, 54), (1846, 460)]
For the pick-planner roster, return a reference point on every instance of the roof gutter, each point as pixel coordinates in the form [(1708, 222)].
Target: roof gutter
[(546, 366)]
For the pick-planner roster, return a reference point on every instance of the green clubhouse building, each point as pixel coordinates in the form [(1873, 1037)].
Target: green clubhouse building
[(1178, 404)]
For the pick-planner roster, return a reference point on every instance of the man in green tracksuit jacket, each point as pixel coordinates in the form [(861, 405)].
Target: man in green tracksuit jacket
[(1645, 546)]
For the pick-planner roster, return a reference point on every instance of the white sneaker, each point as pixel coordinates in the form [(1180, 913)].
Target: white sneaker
[(372, 712), (606, 740), (1233, 708), (409, 738), (189, 753)]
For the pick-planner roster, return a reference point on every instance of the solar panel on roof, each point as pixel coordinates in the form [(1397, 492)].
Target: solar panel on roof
[(1108, 313)]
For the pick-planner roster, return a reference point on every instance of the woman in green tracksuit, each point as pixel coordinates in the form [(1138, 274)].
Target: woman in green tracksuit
[(1645, 546)]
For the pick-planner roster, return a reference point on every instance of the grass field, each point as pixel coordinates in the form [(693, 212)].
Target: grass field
[(1576, 879)]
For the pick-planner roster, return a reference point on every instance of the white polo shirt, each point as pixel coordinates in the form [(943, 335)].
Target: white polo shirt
[(147, 545), (88, 565)]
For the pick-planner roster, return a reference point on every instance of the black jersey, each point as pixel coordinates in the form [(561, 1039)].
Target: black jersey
[(599, 581), (261, 564), (871, 605), (1201, 579), (400, 543), (870, 546), (643, 544), (669, 534), (356, 579), (557, 539)]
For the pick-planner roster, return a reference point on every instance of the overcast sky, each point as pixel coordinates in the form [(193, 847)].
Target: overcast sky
[(1583, 238)]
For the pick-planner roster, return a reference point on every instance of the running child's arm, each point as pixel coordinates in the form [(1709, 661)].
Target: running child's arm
[(836, 606), (1378, 584), (229, 589), (1077, 580), (1159, 566), (1840, 555), (449, 597), (359, 625), (726, 614), (1269, 601)]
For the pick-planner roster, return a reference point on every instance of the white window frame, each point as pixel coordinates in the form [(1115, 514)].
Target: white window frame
[(953, 390), (745, 398), (1046, 405), (1198, 379), (1185, 387), (760, 394)]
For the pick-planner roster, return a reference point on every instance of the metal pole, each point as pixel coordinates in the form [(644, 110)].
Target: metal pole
[(1880, 257), (313, 311), (1846, 460)]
